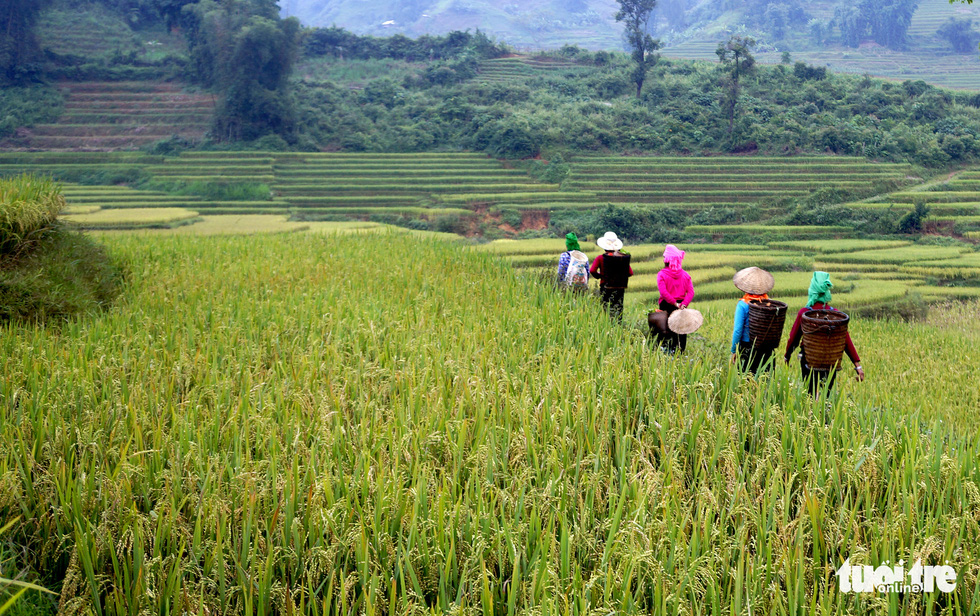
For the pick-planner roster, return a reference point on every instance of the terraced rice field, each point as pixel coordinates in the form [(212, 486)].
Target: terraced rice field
[(134, 218), (954, 201), (929, 58), (521, 68), (122, 116), (326, 185), (693, 183), (866, 273)]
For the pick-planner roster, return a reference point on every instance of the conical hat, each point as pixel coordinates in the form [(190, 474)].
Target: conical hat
[(609, 241), (685, 321), (754, 280)]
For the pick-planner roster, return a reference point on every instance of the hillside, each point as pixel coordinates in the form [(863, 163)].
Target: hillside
[(688, 29), (536, 24), (927, 56)]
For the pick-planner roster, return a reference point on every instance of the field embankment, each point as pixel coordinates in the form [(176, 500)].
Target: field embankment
[(45, 270)]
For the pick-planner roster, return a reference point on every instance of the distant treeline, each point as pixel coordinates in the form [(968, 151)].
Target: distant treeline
[(340, 43)]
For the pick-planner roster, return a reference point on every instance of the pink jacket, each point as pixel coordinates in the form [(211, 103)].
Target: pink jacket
[(675, 286)]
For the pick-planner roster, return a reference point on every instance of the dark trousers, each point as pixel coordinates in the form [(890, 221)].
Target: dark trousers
[(814, 379), (612, 299), (751, 359), (669, 340)]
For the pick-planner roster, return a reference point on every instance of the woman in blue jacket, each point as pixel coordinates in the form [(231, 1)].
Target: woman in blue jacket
[(756, 284)]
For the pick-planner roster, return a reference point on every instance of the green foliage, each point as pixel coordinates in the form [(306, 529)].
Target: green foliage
[(339, 43), (246, 53), (589, 109), (912, 222), (24, 106), (552, 171)]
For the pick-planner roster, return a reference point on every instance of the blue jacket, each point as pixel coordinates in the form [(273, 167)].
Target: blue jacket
[(740, 333)]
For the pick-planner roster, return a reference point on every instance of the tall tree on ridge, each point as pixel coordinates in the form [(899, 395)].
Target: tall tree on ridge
[(636, 15), (736, 55)]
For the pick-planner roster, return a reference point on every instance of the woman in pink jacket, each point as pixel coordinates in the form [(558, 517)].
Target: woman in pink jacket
[(676, 291)]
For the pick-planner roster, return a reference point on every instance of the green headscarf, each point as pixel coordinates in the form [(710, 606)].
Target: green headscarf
[(820, 286), (571, 242)]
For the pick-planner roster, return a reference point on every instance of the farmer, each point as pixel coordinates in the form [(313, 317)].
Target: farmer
[(578, 277), (818, 298), (613, 270), (756, 283), (676, 291)]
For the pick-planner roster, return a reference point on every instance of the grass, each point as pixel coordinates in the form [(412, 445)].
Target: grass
[(250, 432), (61, 275), (28, 204)]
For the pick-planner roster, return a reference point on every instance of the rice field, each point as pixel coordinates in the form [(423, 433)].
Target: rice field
[(269, 425), (132, 218), (866, 273), (362, 185), (28, 203), (114, 115)]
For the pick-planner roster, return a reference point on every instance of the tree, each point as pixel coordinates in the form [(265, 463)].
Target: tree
[(19, 51), (735, 54), (960, 34), (636, 15), (246, 53), (912, 221)]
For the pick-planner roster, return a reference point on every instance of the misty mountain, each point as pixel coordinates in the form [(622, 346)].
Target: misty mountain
[(532, 24)]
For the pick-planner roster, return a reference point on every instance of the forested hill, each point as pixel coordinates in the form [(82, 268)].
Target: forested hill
[(539, 24)]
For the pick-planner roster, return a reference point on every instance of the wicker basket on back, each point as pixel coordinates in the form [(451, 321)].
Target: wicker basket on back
[(824, 338), (766, 319)]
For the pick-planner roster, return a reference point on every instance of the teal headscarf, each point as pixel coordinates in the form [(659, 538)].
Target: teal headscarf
[(571, 242), (820, 286)]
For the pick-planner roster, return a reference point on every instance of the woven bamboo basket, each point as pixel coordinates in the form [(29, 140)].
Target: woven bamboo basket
[(824, 338), (766, 320)]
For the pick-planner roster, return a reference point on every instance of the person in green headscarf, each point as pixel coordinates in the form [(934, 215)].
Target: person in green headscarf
[(573, 265), (818, 298)]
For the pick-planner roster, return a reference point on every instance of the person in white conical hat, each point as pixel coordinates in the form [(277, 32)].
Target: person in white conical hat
[(613, 270)]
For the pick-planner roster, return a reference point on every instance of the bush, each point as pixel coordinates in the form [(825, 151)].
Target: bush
[(64, 274)]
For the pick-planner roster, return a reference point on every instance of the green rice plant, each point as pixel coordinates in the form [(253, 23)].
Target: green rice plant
[(248, 432), (526, 247), (866, 292), (896, 256), (80, 209), (939, 293), (846, 245), (517, 197), (132, 218), (347, 201), (28, 204), (780, 229), (935, 197)]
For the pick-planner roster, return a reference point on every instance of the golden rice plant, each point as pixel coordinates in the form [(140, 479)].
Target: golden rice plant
[(282, 425), (27, 203)]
